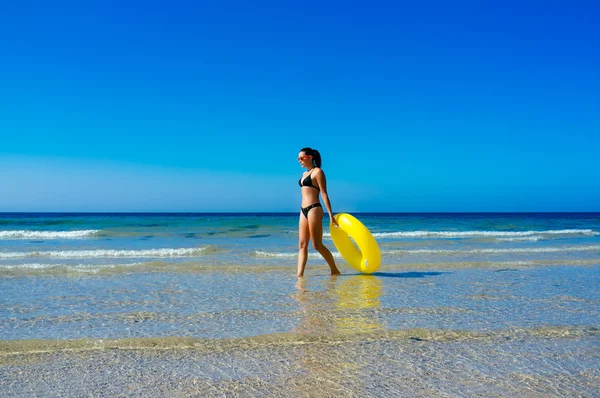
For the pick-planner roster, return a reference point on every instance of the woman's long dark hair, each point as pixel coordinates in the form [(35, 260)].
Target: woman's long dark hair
[(315, 154)]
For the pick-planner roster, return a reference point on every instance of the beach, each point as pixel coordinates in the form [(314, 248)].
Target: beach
[(178, 304)]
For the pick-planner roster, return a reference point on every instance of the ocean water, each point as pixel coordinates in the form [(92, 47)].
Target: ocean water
[(52, 244), (490, 304)]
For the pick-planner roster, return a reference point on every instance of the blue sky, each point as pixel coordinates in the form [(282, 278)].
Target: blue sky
[(203, 106)]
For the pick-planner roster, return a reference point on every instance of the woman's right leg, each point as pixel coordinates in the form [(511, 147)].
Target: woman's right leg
[(303, 239)]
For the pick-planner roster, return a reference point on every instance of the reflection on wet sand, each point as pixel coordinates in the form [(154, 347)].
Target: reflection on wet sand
[(316, 306), (346, 306), (358, 300)]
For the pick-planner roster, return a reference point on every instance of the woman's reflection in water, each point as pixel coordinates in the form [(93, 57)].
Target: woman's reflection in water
[(338, 317), (358, 305), (346, 305)]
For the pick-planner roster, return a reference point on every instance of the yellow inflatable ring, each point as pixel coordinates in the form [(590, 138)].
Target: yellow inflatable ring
[(368, 258)]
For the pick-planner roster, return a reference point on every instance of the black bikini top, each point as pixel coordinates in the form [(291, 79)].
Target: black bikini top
[(307, 182)]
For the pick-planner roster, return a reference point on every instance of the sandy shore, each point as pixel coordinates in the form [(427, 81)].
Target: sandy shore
[(407, 364)]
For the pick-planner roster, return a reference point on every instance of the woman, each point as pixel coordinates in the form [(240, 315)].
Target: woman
[(312, 183)]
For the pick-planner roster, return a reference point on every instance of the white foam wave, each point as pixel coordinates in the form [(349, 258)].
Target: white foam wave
[(534, 238), (28, 234), (182, 252), (498, 251), (264, 254), (85, 268), (475, 234)]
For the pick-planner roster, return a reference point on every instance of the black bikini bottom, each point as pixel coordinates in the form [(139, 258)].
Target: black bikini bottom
[(305, 210)]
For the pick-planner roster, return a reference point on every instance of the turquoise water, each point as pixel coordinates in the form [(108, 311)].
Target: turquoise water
[(75, 243), (65, 276), (486, 282)]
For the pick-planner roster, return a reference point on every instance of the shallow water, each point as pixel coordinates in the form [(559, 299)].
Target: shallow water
[(239, 304), (461, 306)]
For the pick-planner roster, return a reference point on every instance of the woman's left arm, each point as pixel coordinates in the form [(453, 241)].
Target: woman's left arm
[(322, 181)]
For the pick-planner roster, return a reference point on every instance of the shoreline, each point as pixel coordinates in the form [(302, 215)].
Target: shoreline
[(207, 345)]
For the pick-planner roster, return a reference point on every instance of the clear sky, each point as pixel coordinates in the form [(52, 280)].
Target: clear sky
[(204, 105)]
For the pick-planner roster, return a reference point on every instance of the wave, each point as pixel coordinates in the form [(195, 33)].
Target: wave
[(29, 234), (497, 251), (263, 254), (196, 267), (74, 269), (534, 238), (41, 268), (478, 234), (167, 252)]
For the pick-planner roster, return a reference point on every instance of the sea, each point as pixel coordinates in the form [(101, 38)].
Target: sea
[(208, 304)]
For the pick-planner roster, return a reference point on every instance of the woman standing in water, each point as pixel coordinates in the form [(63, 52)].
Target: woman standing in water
[(312, 183)]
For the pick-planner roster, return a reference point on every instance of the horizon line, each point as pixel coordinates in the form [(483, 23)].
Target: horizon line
[(293, 212)]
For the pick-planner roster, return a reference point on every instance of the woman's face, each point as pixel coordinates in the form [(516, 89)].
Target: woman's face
[(304, 159)]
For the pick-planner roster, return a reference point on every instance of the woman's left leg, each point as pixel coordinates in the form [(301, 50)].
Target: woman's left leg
[(315, 225)]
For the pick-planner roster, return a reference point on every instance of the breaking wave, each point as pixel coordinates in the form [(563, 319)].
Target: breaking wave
[(28, 234), (100, 253), (477, 234)]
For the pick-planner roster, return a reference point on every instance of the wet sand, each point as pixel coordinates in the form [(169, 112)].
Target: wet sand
[(417, 363)]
